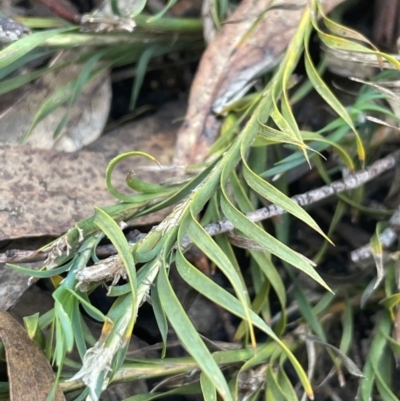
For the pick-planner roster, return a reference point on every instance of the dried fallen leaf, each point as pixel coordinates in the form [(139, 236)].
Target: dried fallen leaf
[(43, 191), (230, 64), (29, 373)]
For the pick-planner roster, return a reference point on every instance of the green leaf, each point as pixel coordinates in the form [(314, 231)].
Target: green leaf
[(161, 319), (183, 191), (348, 327), (116, 236), (331, 99), (111, 167), (24, 45), (268, 191), (207, 245), (13, 83), (343, 44), (284, 126), (27, 58), (339, 213), (162, 12), (221, 297), (141, 66), (31, 324), (261, 258), (391, 301), (182, 390), (41, 273), (325, 301), (367, 384), (269, 135), (274, 391), (207, 388), (394, 345), (286, 386), (308, 314), (63, 307), (341, 30), (76, 320), (189, 336), (138, 7), (89, 308), (341, 151), (114, 7), (295, 159), (377, 357), (251, 230), (58, 98), (258, 305), (286, 121), (83, 79), (368, 292), (262, 356)]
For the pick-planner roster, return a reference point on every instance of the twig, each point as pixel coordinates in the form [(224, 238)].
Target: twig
[(387, 238), (351, 181), (23, 256)]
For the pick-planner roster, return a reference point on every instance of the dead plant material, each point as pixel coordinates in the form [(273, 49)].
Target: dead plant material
[(30, 375)]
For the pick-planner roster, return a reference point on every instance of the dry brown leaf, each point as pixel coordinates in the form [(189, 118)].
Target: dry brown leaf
[(29, 373), (45, 192), (228, 67)]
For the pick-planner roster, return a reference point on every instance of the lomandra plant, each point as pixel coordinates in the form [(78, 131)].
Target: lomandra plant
[(227, 190)]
